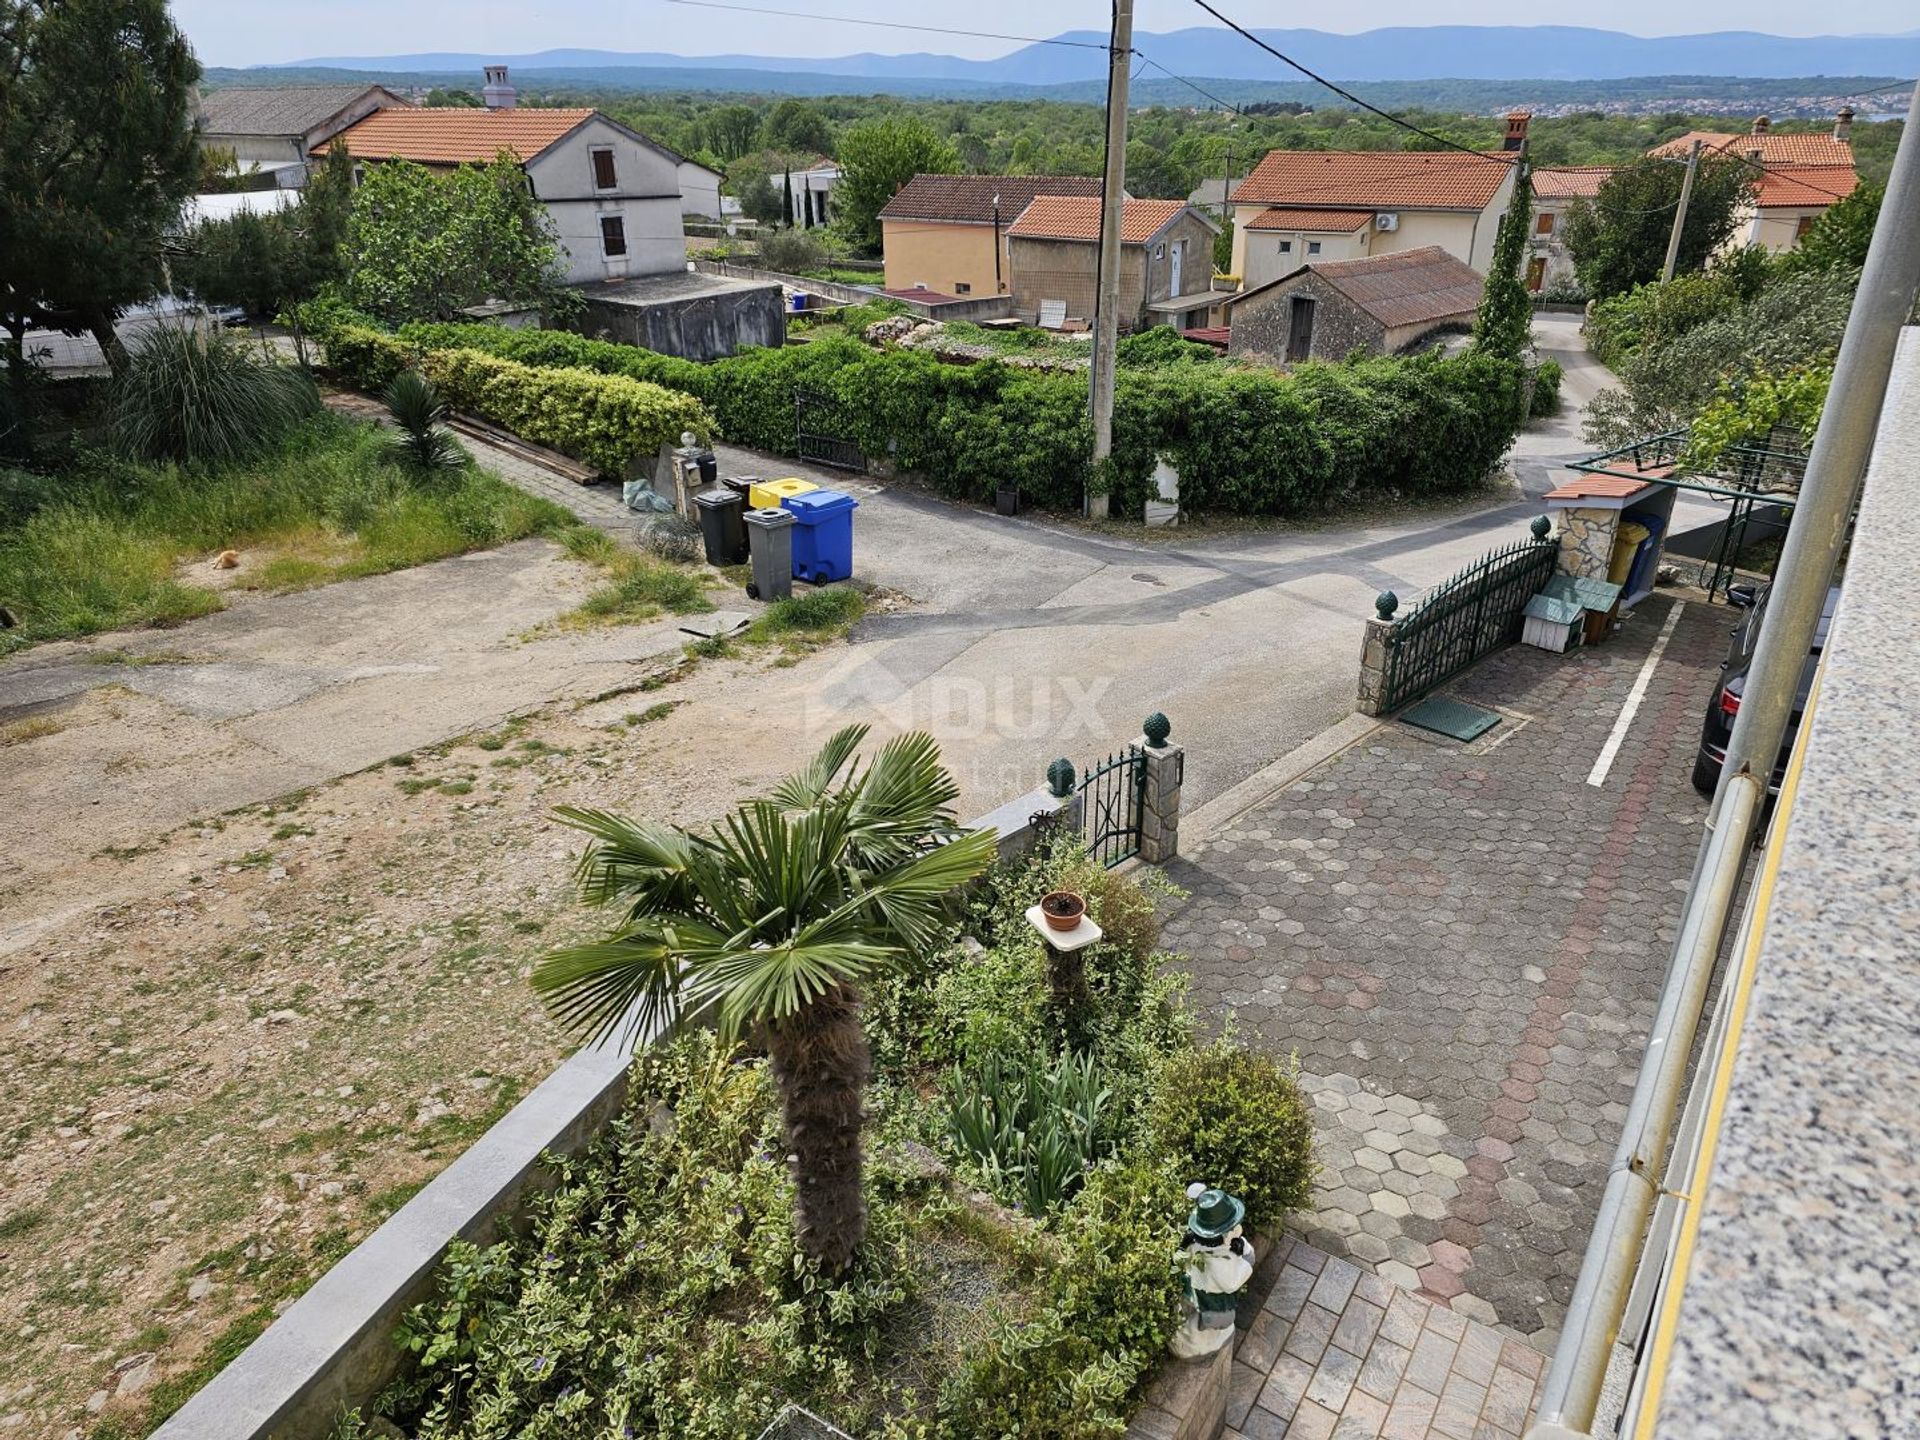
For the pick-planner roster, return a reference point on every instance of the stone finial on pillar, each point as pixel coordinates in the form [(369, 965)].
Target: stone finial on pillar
[(1165, 769)]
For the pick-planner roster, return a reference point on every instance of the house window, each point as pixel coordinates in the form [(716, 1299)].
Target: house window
[(1286, 247), (1313, 247), (960, 287), (604, 177), (1543, 223), (613, 235), (1801, 227)]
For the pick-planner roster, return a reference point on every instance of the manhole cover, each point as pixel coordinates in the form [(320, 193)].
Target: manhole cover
[(1451, 718), (796, 1423)]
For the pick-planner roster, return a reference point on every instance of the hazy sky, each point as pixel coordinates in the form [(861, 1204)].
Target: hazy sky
[(241, 32)]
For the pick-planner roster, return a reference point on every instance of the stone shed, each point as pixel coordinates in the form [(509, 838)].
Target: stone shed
[(1166, 260), (1386, 304)]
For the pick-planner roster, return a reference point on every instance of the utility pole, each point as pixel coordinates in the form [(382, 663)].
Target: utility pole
[(1680, 212), (1106, 315)]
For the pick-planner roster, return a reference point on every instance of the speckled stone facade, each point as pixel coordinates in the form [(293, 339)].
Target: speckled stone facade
[(1373, 666), (1260, 323), (1586, 542), (1160, 802)]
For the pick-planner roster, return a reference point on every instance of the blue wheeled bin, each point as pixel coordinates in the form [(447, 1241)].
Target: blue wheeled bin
[(822, 535)]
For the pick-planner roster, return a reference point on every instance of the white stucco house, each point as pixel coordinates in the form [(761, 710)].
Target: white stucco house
[(1795, 178), (1555, 192), (699, 188), (1300, 206), (614, 195)]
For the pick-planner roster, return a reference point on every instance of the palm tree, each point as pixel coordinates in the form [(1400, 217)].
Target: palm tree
[(773, 918)]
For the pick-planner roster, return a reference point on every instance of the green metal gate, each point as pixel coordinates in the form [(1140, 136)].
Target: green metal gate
[(819, 430), (1473, 614), (1115, 794)]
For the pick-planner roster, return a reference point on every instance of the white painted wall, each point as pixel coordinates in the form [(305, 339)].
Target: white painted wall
[(699, 190), (1273, 253), (645, 194), (1462, 234)]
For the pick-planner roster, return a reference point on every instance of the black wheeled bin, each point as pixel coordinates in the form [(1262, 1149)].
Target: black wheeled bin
[(722, 526)]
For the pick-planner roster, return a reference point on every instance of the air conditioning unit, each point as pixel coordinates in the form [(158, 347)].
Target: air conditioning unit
[(1386, 222)]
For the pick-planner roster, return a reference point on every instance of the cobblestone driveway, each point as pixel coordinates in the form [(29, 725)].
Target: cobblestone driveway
[(1465, 944)]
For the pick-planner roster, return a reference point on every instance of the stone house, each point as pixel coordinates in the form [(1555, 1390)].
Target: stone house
[(1325, 310), (1296, 207), (1795, 177), (614, 195), (279, 127), (1549, 262), (949, 232), (1166, 264)]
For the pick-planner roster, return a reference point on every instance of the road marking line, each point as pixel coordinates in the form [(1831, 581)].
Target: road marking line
[(1598, 775)]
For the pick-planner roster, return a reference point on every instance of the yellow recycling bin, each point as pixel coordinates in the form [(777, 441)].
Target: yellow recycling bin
[(767, 494), (1625, 547)]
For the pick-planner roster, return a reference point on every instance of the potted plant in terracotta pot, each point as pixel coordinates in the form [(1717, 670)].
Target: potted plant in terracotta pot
[(1062, 909)]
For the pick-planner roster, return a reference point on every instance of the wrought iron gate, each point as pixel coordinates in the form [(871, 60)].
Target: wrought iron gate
[(819, 425), (1473, 614), (1114, 794)]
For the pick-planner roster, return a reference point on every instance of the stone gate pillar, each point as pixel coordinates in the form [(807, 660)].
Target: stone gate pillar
[(1160, 798)]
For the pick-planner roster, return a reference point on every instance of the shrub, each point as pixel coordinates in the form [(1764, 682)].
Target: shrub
[(562, 348), (1235, 1118), (424, 442), (1745, 413), (1657, 313), (1546, 390), (188, 395), (1162, 345), (608, 421), (791, 251), (1108, 1306), (365, 358)]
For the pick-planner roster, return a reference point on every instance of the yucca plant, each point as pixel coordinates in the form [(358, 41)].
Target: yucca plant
[(773, 918), (188, 394), (424, 442)]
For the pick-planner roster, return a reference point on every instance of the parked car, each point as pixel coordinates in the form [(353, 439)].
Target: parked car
[(1724, 704)]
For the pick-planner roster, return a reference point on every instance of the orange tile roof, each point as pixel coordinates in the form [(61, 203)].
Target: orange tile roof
[(1568, 182), (1375, 180), (1602, 487), (1337, 222), (448, 135), (1804, 186), (1775, 149), (1077, 217)]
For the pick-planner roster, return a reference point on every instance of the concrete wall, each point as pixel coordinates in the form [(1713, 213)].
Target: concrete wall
[(953, 258), (1069, 270), (257, 149), (702, 327), (1196, 268), (1778, 230), (699, 190), (646, 196), (1261, 323), (1551, 246), (985, 307)]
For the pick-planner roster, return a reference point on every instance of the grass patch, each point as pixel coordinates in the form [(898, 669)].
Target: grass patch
[(817, 616), (34, 728), (326, 505), (21, 1222), (638, 587), (652, 713)]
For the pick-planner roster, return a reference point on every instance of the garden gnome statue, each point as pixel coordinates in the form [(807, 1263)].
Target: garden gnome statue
[(1219, 1262)]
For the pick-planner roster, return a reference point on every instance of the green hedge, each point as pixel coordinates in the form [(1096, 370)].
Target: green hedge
[(607, 420), (1245, 441)]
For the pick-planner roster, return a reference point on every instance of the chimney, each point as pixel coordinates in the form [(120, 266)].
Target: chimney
[(1843, 125), (1516, 138), (1761, 124), (497, 93)]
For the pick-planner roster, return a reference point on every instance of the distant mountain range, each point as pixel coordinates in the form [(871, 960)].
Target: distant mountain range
[(1466, 52)]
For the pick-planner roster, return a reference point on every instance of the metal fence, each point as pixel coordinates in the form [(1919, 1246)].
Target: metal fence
[(1473, 614), (820, 428), (1115, 796)]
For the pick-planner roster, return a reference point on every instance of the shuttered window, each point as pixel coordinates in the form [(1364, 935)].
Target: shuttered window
[(603, 173), (613, 235)]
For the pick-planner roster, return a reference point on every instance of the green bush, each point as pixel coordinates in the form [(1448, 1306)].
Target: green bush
[(365, 358), (1546, 390), (608, 421), (1657, 313), (192, 396), (1110, 1303), (1233, 1117), (1745, 413), (1246, 441)]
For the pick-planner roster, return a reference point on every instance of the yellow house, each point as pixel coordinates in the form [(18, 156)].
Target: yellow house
[(1795, 177), (948, 233), (1297, 207)]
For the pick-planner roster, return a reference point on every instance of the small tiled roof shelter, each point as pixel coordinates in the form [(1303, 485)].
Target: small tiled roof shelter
[(1326, 310)]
